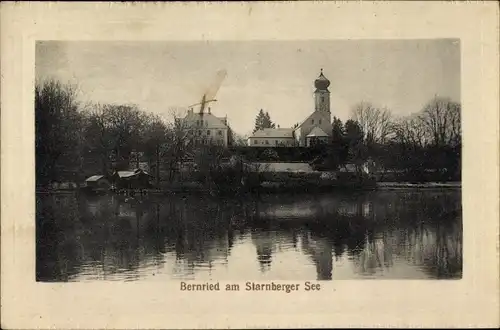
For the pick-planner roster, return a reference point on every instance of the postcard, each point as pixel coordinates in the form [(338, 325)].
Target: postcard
[(249, 165)]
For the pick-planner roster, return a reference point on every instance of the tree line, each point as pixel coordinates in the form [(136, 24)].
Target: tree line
[(420, 145), (75, 140)]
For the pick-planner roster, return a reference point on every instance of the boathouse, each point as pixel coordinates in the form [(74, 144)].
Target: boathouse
[(97, 182), (136, 179)]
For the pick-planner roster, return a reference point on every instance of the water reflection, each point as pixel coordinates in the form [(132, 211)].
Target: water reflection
[(384, 234)]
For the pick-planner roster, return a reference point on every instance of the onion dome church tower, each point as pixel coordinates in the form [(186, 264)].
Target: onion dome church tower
[(322, 94)]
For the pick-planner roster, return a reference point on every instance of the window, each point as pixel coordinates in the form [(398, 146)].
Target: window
[(255, 142), (276, 142), (312, 121), (208, 132), (322, 99), (199, 132), (220, 133), (320, 121), (206, 123), (267, 142)]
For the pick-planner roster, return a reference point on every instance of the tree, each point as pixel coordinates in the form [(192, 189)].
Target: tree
[(239, 140), (430, 139), (263, 120), (339, 147), (154, 142), (354, 139), (179, 141), (97, 137), (235, 139), (441, 118), (353, 132), (375, 123), (270, 154), (267, 121), (58, 141), (208, 160), (337, 130), (125, 124), (407, 150), (410, 131)]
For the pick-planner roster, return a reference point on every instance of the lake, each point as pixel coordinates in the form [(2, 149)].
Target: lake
[(383, 234)]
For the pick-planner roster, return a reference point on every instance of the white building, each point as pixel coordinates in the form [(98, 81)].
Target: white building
[(272, 137), (205, 128), (314, 128)]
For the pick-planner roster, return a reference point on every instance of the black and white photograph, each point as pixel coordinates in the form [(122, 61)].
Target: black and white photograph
[(248, 160), (249, 165)]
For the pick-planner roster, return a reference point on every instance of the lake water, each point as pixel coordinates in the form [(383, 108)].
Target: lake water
[(404, 234)]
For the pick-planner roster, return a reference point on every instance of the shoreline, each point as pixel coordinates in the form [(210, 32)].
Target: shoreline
[(378, 186), (423, 185)]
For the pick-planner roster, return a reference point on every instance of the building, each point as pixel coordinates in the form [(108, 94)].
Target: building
[(315, 128), (318, 125), (97, 183), (137, 179), (204, 128), (272, 137)]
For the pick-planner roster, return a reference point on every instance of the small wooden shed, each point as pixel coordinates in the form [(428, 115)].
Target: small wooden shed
[(97, 183), (136, 179)]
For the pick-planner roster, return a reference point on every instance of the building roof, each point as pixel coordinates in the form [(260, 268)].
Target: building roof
[(322, 113), (94, 178), (322, 82), (284, 167), (209, 120), (127, 174), (273, 133), (317, 132)]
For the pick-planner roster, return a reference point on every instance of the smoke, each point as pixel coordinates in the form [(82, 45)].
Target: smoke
[(211, 91)]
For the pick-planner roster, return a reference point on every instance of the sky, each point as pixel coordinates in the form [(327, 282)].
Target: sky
[(276, 76)]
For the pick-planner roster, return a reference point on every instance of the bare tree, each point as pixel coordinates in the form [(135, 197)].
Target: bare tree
[(97, 135), (154, 138), (57, 127), (125, 124), (441, 118), (179, 140), (376, 123), (410, 131), (239, 140)]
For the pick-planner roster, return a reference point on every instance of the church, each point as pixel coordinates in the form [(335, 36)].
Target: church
[(317, 127)]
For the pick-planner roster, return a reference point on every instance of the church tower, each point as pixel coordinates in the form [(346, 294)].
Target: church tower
[(322, 94)]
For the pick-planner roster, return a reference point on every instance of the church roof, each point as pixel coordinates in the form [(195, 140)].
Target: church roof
[(317, 132), (324, 114), (273, 133), (322, 82)]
